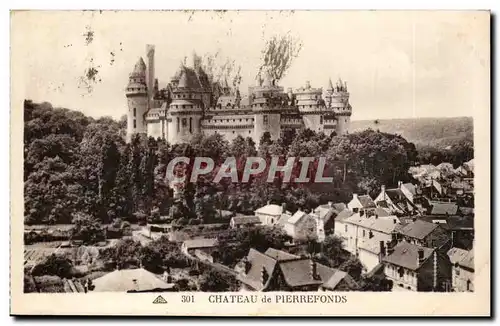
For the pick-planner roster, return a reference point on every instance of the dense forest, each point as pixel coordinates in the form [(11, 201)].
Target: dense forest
[(436, 139), (80, 166)]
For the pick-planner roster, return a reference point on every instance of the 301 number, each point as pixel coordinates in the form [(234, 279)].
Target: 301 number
[(187, 299)]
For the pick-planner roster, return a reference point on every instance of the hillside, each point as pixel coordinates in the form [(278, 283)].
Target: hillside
[(423, 132)]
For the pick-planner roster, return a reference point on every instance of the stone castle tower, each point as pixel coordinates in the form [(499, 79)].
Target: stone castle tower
[(137, 100), (337, 99)]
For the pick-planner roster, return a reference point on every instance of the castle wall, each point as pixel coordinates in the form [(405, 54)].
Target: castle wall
[(154, 129), (269, 122), (181, 128)]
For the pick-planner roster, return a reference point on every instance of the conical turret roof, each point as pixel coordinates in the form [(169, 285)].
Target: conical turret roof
[(330, 84), (140, 67), (183, 80)]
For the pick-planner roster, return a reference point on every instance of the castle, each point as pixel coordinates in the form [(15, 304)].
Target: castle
[(192, 104)]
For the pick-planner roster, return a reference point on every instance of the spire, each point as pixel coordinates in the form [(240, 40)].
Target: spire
[(183, 82), (330, 84), (140, 67)]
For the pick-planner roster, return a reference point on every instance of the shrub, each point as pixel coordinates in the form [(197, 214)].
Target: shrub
[(54, 265)]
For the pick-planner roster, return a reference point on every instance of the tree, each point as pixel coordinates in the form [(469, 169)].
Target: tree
[(278, 55), (218, 281), (54, 265), (86, 228)]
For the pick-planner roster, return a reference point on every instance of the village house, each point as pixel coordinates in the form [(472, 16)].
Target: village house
[(370, 253), (328, 213), (463, 270), (396, 200), (424, 233), (415, 268), (442, 208), (131, 280), (364, 204), (303, 226), (270, 214), (276, 270), (206, 245), (355, 228), (244, 221)]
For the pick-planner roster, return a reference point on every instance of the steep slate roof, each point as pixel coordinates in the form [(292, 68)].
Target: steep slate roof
[(280, 255), (200, 243), (125, 280), (270, 209), (298, 272), (296, 217), (366, 201), (406, 255), (284, 218), (411, 187), (460, 223), (444, 208), (399, 199), (189, 79), (331, 277), (344, 214), (242, 220), (258, 261), (384, 225), (380, 212), (462, 257), (371, 245), (418, 229)]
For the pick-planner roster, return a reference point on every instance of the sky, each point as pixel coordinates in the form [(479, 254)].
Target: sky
[(396, 64)]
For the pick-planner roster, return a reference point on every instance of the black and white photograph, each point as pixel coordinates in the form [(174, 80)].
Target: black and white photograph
[(238, 153)]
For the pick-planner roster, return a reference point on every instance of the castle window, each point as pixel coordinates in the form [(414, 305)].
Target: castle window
[(266, 121), (134, 124), (134, 112), (321, 120), (191, 125), (178, 124)]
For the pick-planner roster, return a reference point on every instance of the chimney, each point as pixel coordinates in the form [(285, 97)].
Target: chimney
[(330, 204), (308, 85), (268, 202), (390, 248), (420, 256), (354, 196), (382, 249), (136, 286), (400, 183), (382, 189), (314, 270), (283, 207), (248, 265), (150, 73), (263, 275)]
